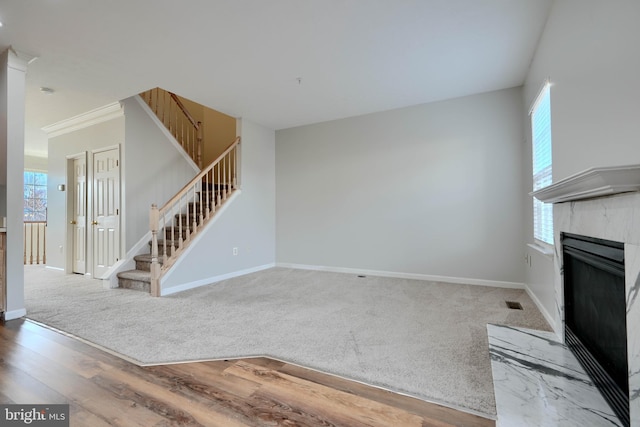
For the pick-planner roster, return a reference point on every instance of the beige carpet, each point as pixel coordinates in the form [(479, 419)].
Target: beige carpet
[(423, 339)]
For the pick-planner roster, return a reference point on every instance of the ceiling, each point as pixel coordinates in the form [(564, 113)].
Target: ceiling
[(280, 63)]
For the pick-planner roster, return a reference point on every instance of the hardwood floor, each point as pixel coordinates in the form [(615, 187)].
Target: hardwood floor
[(41, 366)]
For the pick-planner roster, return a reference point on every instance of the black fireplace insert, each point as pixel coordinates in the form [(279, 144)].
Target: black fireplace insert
[(596, 315)]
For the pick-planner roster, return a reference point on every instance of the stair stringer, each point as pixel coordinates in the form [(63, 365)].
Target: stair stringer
[(193, 245), (141, 247)]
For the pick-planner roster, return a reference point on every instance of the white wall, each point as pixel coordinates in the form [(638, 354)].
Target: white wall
[(154, 169), (589, 50), (248, 222), (39, 164), (101, 135), (433, 189)]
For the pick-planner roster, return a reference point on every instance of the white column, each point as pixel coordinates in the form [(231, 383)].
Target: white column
[(12, 115)]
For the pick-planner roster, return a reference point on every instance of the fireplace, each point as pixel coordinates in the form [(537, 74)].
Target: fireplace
[(596, 316), (604, 203)]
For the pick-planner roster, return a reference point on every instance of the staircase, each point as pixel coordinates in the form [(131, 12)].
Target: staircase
[(140, 278), (184, 216)]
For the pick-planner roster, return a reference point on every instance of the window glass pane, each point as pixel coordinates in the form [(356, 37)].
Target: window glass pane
[(35, 196), (40, 179), (40, 192), (542, 165), (28, 177)]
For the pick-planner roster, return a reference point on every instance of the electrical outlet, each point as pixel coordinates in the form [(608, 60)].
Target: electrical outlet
[(235, 251)]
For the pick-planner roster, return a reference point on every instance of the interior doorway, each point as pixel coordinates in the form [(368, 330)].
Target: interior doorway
[(93, 207)]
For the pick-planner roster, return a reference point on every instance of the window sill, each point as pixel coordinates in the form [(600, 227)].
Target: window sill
[(545, 250)]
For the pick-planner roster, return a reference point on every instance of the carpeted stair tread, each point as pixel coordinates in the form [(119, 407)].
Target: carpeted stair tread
[(137, 280), (148, 258), (140, 275)]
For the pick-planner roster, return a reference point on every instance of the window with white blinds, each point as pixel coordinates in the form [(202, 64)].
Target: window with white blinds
[(541, 137)]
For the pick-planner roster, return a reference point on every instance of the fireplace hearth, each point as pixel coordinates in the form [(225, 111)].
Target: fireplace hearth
[(595, 314)]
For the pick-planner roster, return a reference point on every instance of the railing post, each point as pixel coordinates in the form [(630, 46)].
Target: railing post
[(44, 244), (235, 167), (199, 147), (154, 222)]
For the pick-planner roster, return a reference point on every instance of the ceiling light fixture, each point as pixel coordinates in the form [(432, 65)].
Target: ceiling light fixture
[(47, 90)]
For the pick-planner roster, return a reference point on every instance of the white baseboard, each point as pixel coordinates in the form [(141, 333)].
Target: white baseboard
[(398, 275), (543, 310), (15, 314), (211, 280), (54, 268)]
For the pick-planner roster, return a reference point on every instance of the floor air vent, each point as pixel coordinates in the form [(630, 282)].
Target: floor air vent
[(514, 305)]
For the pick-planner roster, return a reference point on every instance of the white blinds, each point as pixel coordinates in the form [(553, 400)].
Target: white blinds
[(541, 137)]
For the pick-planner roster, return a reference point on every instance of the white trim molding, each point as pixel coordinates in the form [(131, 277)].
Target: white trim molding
[(84, 120), (398, 275), (215, 279), (19, 60), (594, 182), (548, 317), (15, 314)]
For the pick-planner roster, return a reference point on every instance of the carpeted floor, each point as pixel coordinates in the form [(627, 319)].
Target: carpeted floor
[(419, 338)]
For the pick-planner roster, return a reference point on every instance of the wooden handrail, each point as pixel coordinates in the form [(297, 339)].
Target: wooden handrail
[(185, 111), (199, 177), (170, 110)]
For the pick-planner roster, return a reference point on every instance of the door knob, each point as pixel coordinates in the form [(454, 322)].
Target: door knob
[(72, 222), (94, 222)]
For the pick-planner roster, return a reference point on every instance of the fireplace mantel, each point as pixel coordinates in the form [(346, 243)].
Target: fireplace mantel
[(594, 182)]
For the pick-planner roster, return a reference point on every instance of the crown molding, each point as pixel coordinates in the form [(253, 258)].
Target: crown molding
[(18, 59), (81, 121), (594, 182)]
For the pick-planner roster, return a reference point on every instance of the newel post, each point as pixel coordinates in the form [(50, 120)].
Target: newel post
[(154, 223), (199, 147)]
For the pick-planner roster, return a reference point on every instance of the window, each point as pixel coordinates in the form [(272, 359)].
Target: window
[(35, 196), (541, 142)]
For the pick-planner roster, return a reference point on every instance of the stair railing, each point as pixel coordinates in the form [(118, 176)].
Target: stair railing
[(189, 211), (177, 119), (35, 242)]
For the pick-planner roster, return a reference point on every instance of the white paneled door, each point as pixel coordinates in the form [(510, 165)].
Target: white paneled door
[(79, 217), (106, 210)]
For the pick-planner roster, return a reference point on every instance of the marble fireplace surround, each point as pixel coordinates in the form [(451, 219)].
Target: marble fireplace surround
[(603, 203)]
